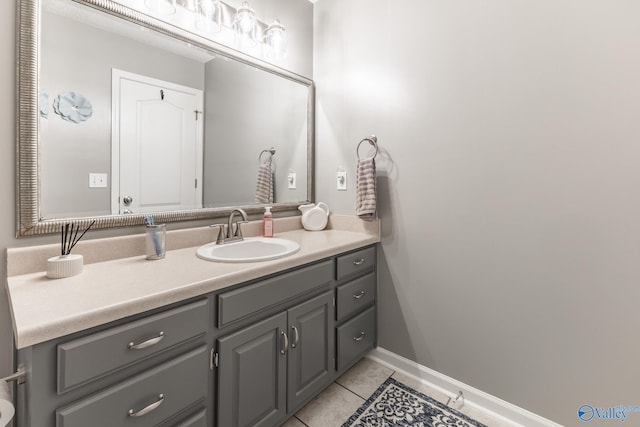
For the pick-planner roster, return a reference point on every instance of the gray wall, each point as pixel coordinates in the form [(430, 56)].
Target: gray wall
[(298, 12), (507, 184)]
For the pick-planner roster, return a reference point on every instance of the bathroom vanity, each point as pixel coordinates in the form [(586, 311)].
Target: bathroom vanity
[(186, 342), (178, 341)]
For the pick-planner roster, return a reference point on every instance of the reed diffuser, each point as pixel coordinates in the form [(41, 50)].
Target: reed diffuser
[(67, 264)]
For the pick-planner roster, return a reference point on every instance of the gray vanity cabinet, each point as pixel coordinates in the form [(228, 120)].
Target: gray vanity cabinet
[(249, 355), (270, 368)]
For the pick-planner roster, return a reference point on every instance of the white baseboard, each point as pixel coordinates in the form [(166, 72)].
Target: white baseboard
[(473, 398)]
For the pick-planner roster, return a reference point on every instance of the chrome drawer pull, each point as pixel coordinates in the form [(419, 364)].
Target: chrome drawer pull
[(147, 343), (360, 338), (296, 337), (358, 261), (285, 340), (359, 295), (150, 408)]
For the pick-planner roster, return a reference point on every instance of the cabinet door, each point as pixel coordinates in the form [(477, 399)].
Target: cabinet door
[(252, 374), (310, 359)]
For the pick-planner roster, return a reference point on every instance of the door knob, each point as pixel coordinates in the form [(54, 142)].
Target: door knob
[(127, 200)]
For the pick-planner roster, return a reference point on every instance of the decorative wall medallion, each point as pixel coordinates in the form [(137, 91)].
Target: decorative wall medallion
[(44, 104), (72, 107)]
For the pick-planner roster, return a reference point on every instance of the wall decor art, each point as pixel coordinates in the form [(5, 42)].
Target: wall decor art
[(72, 107)]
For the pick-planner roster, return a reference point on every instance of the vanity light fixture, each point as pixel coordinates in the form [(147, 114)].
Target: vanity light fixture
[(274, 40), (244, 24), (212, 16), (161, 7)]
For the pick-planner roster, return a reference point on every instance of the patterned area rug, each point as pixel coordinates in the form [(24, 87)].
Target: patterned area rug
[(395, 404)]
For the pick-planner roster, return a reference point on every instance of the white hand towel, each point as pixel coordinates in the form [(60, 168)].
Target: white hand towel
[(366, 189), (264, 185)]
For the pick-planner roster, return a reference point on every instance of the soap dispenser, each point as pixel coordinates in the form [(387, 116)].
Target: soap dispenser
[(267, 222)]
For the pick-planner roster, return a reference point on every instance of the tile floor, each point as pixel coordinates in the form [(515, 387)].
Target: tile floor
[(342, 398)]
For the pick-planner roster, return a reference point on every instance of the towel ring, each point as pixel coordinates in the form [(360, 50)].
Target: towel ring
[(373, 140), (271, 151)]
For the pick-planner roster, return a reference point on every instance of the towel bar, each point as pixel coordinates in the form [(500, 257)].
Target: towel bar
[(19, 376), (271, 151), (373, 140)]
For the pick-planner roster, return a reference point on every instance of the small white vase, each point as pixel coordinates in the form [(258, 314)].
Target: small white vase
[(62, 266)]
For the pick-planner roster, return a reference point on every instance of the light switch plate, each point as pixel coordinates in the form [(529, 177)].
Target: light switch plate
[(291, 179), (97, 180), (342, 180)]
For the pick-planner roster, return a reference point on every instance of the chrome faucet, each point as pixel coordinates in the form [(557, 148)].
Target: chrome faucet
[(230, 235), (238, 233)]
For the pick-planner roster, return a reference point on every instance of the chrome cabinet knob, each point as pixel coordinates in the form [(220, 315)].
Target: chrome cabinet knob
[(127, 200)]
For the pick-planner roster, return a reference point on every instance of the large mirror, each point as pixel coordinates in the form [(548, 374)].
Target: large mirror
[(122, 115)]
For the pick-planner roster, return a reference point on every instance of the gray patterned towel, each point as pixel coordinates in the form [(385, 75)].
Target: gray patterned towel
[(264, 186), (366, 189)]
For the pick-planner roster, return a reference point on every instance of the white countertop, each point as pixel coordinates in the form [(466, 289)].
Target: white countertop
[(44, 309)]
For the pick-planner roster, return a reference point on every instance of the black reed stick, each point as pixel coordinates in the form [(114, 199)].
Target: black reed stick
[(62, 240), (75, 235), (82, 235), (70, 238), (69, 235), (66, 235)]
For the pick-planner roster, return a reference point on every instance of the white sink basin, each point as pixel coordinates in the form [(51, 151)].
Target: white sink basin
[(250, 249)]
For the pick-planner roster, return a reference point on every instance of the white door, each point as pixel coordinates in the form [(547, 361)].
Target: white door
[(156, 145)]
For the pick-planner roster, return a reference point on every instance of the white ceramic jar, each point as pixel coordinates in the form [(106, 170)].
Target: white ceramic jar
[(314, 217)]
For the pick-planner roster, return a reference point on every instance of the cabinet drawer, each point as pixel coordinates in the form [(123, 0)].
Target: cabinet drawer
[(356, 337), (196, 420), (87, 358), (239, 303), (154, 395), (356, 295), (356, 263)]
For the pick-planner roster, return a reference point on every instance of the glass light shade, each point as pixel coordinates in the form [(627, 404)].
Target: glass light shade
[(161, 7), (208, 7), (190, 5), (275, 40), (244, 23), (207, 16)]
